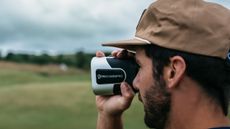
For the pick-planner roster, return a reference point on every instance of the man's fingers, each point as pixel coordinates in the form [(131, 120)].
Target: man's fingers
[(100, 54), (115, 52), (127, 93)]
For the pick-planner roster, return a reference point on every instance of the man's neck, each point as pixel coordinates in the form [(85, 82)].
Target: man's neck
[(191, 109)]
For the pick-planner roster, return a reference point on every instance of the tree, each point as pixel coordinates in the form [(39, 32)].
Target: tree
[(80, 59)]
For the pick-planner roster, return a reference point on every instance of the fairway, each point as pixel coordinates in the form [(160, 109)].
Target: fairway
[(30, 100)]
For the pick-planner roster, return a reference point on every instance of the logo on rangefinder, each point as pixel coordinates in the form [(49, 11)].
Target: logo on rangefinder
[(99, 76), (110, 76)]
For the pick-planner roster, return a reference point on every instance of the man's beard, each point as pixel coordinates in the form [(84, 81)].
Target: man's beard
[(157, 105)]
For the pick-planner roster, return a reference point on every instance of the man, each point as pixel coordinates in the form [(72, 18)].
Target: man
[(183, 81)]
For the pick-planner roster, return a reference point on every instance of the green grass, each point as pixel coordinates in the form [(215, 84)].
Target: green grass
[(31, 100), (12, 77)]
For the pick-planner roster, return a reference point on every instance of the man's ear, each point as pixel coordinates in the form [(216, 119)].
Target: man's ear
[(175, 71)]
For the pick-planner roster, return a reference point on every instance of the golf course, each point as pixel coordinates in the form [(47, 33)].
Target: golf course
[(47, 97)]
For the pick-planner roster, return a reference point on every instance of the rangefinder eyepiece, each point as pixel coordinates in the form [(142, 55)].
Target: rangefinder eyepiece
[(107, 73)]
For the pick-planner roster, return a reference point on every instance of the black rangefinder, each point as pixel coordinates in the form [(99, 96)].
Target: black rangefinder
[(107, 73)]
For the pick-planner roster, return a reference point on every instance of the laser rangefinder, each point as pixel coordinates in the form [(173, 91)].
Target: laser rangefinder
[(107, 73)]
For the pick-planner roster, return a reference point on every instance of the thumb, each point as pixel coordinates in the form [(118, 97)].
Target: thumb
[(127, 93)]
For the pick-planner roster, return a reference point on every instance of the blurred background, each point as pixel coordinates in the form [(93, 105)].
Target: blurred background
[(45, 50)]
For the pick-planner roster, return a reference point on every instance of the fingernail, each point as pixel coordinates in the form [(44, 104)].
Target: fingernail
[(126, 86), (119, 54)]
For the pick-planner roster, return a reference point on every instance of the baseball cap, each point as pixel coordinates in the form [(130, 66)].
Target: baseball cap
[(193, 26)]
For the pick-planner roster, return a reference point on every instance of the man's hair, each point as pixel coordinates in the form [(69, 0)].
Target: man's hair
[(211, 73)]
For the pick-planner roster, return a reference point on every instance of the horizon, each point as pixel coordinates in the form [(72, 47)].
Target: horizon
[(68, 26)]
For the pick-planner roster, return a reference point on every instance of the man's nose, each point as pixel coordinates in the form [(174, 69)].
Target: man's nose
[(135, 84)]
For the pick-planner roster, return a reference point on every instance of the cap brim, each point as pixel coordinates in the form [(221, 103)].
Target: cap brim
[(126, 44)]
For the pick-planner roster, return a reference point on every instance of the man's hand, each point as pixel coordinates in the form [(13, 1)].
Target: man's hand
[(110, 108)]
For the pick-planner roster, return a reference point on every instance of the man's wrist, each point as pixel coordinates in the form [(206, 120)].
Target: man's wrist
[(106, 121), (109, 115)]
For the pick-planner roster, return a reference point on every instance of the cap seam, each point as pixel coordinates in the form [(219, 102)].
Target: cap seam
[(141, 39)]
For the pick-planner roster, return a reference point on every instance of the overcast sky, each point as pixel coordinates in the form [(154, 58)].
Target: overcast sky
[(65, 26)]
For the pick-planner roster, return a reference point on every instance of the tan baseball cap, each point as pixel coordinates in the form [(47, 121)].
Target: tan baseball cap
[(193, 26)]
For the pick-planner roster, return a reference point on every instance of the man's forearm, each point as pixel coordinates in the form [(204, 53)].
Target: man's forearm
[(109, 122)]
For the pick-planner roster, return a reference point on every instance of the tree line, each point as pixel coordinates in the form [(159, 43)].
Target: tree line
[(80, 59)]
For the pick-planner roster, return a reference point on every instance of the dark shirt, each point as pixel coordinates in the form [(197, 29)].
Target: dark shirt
[(221, 128)]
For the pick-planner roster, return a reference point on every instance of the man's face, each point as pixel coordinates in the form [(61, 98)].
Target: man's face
[(152, 92)]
